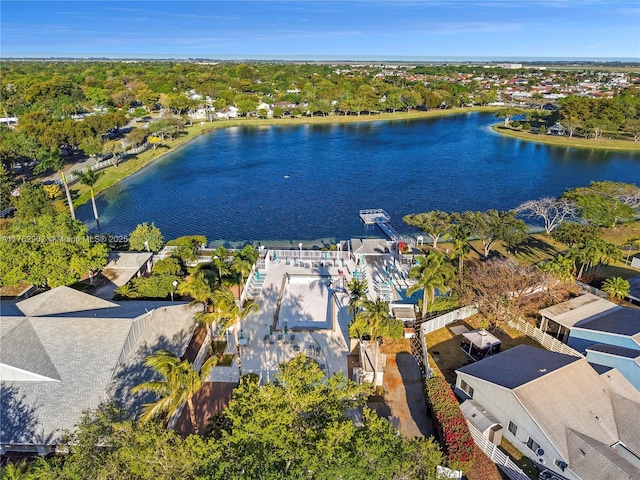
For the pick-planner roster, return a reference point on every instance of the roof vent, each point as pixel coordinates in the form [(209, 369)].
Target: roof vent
[(598, 418)]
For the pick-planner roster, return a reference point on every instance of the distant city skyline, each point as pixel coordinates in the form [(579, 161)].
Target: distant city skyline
[(323, 30)]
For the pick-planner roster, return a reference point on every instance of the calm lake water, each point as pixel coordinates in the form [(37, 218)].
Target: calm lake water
[(280, 185)]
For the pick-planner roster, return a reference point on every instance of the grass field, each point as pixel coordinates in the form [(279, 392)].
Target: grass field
[(575, 142)]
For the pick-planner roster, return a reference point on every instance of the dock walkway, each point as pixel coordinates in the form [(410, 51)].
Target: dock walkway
[(379, 217)]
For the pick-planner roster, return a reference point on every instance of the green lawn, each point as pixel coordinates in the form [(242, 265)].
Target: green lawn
[(590, 143), (444, 350), (224, 359)]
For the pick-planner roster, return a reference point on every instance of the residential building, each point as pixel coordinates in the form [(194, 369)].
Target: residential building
[(608, 334), (65, 352), (558, 411)]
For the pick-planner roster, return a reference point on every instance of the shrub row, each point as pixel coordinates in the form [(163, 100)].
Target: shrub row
[(454, 431), (483, 468)]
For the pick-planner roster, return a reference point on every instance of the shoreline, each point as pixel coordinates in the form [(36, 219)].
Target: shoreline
[(113, 175), (561, 141)]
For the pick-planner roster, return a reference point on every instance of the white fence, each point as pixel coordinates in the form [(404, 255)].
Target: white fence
[(590, 289), (501, 459), (437, 323), (450, 317), (105, 163), (317, 255), (544, 339)]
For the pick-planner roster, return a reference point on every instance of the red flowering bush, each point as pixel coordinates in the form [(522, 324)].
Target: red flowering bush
[(454, 432), (483, 468), (403, 247)]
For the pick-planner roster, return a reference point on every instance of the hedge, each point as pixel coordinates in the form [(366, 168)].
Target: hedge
[(483, 468), (186, 241), (457, 441)]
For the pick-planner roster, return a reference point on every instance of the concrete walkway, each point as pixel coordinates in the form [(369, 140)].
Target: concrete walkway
[(404, 395)]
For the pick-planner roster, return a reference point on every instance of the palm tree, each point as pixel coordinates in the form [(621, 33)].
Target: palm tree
[(228, 312), (243, 261), (460, 237), (52, 161), (220, 260), (616, 287), (593, 252), (460, 250), (181, 381), (357, 293), (431, 272), (89, 178), (376, 316), (242, 267), (249, 254), (198, 288), (634, 241), (188, 253), (561, 267)]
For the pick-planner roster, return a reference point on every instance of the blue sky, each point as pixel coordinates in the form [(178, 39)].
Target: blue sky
[(514, 29)]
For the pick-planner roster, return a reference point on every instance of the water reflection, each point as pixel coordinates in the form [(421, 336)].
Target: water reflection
[(308, 182)]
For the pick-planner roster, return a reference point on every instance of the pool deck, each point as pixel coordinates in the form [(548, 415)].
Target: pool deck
[(312, 327), (312, 317)]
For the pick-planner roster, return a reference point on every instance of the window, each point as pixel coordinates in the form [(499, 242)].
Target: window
[(560, 464), (531, 443), (465, 387), (513, 428)]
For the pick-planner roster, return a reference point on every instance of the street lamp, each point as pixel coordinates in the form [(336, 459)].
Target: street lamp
[(300, 246), (146, 244), (175, 284)]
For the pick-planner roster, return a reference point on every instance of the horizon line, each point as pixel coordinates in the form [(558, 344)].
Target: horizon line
[(329, 58)]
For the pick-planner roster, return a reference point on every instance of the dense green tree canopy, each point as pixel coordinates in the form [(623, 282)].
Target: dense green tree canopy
[(301, 426), (493, 226), (49, 250), (435, 223), (146, 237)]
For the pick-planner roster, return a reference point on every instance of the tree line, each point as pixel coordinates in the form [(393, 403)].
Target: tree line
[(302, 425), (504, 290)]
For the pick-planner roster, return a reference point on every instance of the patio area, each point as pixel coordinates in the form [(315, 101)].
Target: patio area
[(303, 309)]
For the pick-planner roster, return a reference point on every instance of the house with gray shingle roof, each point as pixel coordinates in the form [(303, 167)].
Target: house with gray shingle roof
[(65, 352), (607, 333), (558, 411)]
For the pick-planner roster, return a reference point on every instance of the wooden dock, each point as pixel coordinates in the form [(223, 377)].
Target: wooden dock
[(380, 218), (374, 216)]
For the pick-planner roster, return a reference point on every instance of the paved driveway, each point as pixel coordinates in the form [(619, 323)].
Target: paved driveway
[(404, 394)]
